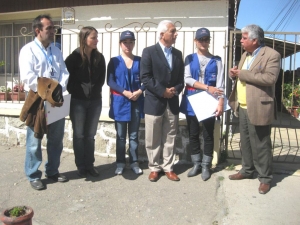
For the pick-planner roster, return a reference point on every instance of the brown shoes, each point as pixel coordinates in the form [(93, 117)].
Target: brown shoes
[(263, 188), (172, 176), (153, 176), (238, 176)]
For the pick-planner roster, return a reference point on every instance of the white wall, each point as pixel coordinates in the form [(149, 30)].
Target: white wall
[(191, 14), (110, 20)]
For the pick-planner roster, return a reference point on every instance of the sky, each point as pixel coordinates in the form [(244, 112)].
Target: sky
[(272, 15), (268, 14)]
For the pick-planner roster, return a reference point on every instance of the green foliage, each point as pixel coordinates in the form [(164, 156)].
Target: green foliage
[(17, 211), (231, 167), (2, 63), (221, 178), (291, 93), (3, 89)]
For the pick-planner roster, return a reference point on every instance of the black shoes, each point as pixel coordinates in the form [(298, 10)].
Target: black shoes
[(93, 172), (58, 178), (37, 184), (81, 172)]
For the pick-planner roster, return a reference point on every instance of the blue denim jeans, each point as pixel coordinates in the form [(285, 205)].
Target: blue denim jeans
[(133, 131), (84, 115), (33, 158)]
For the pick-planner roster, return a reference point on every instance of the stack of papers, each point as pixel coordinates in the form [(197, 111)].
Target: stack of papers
[(204, 105), (54, 114)]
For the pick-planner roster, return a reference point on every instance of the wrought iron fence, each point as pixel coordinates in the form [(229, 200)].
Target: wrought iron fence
[(286, 129)]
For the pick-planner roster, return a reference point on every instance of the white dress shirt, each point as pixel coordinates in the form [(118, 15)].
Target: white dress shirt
[(37, 61), (168, 53)]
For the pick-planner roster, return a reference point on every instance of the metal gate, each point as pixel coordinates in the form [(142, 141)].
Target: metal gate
[(108, 45), (286, 129)]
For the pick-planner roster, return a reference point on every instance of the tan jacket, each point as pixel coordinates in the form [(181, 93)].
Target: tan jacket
[(260, 87), (33, 109)]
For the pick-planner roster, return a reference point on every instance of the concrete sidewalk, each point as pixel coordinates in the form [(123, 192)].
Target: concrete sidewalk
[(132, 199)]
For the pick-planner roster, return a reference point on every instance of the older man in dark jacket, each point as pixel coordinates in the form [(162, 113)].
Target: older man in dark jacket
[(162, 72)]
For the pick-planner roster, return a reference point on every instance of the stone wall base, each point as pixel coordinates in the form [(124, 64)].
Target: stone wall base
[(13, 132)]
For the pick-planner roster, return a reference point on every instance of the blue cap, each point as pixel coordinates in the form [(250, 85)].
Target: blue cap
[(202, 32), (127, 35)]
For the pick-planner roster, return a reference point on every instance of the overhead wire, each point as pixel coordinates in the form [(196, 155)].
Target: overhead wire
[(272, 15), (276, 17), (286, 14), (292, 14)]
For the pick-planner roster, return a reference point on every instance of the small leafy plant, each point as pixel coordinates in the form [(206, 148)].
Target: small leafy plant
[(4, 89), (17, 211), (231, 167), (221, 178)]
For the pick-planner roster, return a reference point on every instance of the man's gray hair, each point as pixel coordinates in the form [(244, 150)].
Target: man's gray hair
[(162, 28), (255, 32)]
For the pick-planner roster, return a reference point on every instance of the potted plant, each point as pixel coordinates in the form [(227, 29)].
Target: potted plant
[(18, 215), (18, 93), (4, 93)]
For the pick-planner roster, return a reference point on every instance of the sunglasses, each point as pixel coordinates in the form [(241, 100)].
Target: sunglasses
[(204, 40)]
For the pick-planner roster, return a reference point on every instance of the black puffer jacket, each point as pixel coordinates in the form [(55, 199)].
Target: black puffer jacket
[(81, 85)]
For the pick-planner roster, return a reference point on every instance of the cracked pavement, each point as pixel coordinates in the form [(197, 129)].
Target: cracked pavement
[(133, 199)]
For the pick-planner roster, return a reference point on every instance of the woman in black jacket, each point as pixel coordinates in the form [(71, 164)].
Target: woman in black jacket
[(87, 68)]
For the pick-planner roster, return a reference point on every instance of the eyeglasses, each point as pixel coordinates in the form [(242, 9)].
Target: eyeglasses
[(204, 40)]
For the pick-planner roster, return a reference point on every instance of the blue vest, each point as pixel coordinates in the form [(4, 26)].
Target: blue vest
[(210, 79), (120, 106)]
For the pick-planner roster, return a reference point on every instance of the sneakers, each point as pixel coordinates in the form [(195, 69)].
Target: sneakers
[(120, 168), (134, 166), (136, 169)]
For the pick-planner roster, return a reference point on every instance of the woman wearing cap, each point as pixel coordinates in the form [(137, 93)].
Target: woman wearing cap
[(127, 101), (203, 72), (86, 66)]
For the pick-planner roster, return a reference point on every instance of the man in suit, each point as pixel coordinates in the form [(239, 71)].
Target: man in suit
[(162, 73), (253, 100)]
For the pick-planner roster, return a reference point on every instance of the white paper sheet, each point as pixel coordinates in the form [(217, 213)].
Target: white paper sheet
[(56, 113), (204, 105)]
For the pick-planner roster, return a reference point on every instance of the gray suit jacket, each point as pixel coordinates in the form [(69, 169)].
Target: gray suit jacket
[(260, 86)]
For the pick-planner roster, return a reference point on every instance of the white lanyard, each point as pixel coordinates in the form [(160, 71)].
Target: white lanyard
[(48, 58)]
